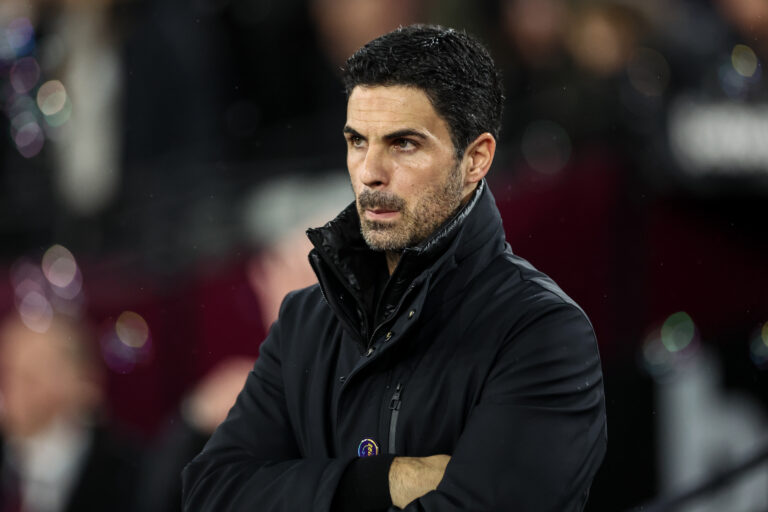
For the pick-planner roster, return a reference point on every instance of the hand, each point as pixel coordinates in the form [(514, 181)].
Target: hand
[(411, 478)]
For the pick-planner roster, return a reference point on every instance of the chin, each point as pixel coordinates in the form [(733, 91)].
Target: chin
[(380, 241)]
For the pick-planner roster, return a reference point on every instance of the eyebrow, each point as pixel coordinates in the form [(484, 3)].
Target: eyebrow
[(352, 131), (406, 132)]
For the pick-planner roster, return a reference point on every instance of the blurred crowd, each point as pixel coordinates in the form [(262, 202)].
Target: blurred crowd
[(160, 161)]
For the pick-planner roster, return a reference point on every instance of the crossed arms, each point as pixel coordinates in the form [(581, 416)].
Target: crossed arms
[(520, 449)]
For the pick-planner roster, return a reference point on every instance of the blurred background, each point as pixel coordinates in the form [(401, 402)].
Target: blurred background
[(161, 159)]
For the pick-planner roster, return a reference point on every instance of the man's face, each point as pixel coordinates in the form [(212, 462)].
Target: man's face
[(39, 382), (402, 164)]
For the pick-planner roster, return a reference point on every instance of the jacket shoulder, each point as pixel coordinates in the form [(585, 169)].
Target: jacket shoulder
[(531, 290), (541, 323), (305, 306), (311, 296)]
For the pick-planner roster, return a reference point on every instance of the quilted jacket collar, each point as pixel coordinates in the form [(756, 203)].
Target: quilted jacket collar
[(345, 265)]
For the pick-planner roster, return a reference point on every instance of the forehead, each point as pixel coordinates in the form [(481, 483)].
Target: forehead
[(393, 107)]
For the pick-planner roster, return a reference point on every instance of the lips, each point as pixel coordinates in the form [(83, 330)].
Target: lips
[(380, 214), (379, 206)]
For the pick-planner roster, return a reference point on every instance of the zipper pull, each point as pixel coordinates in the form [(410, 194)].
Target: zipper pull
[(394, 406), (394, 403)]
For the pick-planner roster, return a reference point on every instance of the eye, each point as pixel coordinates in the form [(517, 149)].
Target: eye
[(404, 144), (356, 141)]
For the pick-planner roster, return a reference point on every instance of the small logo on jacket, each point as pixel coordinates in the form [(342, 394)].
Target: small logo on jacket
[(367, 448)]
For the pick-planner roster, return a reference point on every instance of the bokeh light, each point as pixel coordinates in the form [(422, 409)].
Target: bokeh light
[(27, 279), (24, 74), (27, 134), (758, 348), (678, 331), (72, 290), (21, 103), (656, 359), (737, 76), (53, 101), (36, 311), (29, 139), (51, 97), (648, 72), (59, 266), (744, 60), (132, 329), (119, 357), (53, 285), (127, 343), (61, 117), (26, 275), (20, 35), (7, 52), (546, 146), (670, 346)]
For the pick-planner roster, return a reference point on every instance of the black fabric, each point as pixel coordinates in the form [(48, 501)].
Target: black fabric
[(10, 492), (381, 280), (482, 357), (109, 476), (341, 247), (159, 488), (364, 486)]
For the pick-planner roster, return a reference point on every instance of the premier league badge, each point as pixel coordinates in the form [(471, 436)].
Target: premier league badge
[(367, 448)]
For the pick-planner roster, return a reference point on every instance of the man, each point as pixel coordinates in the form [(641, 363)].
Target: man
[(431, 369), (56, 456)]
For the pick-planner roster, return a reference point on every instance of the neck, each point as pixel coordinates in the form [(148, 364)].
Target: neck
[(393, 257)]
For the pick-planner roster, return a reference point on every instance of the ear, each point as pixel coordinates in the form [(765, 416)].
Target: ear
[(478, 158)]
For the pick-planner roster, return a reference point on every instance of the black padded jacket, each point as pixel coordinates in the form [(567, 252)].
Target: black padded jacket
[(470, 352)]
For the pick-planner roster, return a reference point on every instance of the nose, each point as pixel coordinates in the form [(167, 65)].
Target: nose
[(375, 171)]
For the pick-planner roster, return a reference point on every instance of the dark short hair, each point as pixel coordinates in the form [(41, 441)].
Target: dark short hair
[(453, 69)]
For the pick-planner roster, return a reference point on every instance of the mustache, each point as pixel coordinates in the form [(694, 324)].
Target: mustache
[(374, 199)]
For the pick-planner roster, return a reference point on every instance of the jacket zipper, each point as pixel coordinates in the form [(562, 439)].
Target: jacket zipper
[(391, 315), (394, 406)]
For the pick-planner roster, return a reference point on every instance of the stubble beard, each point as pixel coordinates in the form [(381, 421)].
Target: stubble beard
[(417, 222)]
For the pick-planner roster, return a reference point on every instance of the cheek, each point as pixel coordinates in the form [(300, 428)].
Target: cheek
[(26, 402), (422, 173), (356, 186), (414, 165), (411, 192), (354, 162)]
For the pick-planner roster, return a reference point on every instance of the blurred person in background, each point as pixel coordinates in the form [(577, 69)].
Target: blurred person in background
[(95, 97), (603, 35), (536, 30), (276, 215), (57, 453), (564, 65), (202, 409), (346, 25)]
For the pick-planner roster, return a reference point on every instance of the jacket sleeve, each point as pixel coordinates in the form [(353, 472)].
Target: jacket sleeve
[(252, 460), (538, 434)]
